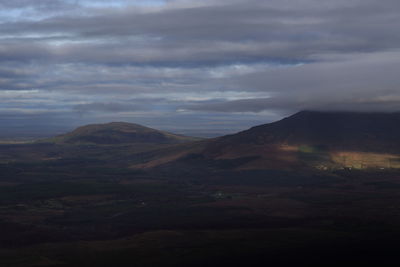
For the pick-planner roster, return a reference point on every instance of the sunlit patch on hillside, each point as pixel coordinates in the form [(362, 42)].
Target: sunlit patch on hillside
[(363, 160), (325, 160)]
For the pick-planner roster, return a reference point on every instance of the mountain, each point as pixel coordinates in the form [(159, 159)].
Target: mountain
[(378, 132), (322, 140), (118, 133)]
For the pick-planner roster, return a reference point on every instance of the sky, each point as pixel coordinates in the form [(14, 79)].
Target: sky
[(196, 67)]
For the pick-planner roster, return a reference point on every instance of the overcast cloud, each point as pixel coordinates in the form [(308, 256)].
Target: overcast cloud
[(215, 66)]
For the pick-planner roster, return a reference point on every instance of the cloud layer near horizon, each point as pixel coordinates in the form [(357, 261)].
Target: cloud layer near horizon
[(195, 65)]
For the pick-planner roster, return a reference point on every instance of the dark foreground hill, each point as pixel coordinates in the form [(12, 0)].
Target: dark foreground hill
[(322, 140), (119, 133)]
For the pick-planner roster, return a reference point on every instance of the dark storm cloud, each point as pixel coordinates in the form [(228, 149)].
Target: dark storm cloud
[(107, 107), (15, 78), (36, 4), (363, 82), (200, 57), (24, 52), (240, 31), (7, 72), (292, 105)]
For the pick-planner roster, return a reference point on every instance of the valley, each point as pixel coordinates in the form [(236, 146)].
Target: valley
[(231, 201)]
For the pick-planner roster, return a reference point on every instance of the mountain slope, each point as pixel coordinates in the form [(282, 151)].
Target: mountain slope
[(118, 133), (323, 140), (370, 132)]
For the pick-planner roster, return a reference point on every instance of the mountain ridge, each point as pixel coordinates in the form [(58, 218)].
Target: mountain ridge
[(350, 130), (315, 139), (118, 133)]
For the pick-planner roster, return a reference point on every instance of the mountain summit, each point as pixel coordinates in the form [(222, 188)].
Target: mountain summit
[(119, 133)]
